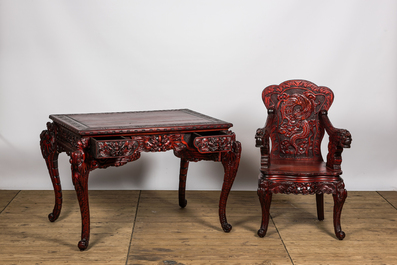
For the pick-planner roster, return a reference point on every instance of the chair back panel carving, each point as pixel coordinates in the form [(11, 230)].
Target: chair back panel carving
[(296, 132)]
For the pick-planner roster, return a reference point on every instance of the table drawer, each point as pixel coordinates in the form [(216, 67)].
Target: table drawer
[(209, 142), (113, 147)]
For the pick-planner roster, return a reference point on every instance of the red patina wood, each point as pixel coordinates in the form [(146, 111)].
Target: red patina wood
[(296, 123), (100, 140)]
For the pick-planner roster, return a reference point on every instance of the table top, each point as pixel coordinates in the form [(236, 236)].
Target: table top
[(181, 120)]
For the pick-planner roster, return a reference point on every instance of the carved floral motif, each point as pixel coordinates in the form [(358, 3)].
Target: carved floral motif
[(116, 148), (157, 143), (160, 142), (213, 144)]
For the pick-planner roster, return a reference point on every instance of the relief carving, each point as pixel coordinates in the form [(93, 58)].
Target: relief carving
[(116, 148), (213, 144), (296, 105), (290, 187), (295, 125), (67, 139), (160, 143)]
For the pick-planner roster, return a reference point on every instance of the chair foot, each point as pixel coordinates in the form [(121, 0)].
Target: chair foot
[(262, 232), (340, 235), (83, 244)]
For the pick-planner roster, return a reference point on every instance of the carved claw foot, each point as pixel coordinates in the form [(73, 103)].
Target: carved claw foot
[(227, 227), (83, 244), (262, 232)]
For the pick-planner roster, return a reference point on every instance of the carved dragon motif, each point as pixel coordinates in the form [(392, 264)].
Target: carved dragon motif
[(295, 111)]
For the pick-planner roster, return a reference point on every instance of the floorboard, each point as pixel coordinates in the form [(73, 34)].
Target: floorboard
[(148, 227), (28, 237), (165, 233)]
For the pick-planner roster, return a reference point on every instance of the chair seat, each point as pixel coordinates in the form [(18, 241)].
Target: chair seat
[(299, 168)]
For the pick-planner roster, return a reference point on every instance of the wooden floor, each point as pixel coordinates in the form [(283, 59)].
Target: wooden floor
[(148, 227)]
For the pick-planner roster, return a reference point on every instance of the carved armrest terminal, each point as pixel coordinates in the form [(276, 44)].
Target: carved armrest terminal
[(338, 139), (262, 140)]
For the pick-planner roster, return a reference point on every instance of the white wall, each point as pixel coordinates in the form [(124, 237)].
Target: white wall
[(212, 56)]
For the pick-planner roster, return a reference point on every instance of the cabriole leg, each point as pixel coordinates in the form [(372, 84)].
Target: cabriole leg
[(182, 182), (339, 200), (230, 162), (265, 198), (50, 153), (80, 172)]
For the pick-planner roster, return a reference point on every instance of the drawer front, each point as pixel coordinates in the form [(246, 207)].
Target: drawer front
[(113, 147), (216, 142)]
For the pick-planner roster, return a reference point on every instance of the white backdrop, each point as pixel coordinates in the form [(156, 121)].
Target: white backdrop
[(213, 57)]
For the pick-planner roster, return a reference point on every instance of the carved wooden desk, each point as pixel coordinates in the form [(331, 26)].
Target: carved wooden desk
[(100, 140)]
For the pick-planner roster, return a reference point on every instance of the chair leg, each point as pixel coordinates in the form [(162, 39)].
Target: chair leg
[(339, 200), (265, 198), (320, 206)]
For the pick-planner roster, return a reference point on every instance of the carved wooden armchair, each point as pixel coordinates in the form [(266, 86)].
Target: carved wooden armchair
[(297, 118)]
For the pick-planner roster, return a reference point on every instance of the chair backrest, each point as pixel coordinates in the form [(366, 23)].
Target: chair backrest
[(296, 130)]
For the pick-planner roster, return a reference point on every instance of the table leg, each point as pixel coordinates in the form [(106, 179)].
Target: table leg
[(182, 182), (50, 154), (80, 172), (230, 162)]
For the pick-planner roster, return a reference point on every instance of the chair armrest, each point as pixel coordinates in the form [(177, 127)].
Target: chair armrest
[(262, 140), (338, 139)]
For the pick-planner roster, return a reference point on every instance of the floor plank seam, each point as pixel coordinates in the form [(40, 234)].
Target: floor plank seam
[(133, 226), (386, 200), (282, 241), (10, 202)]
